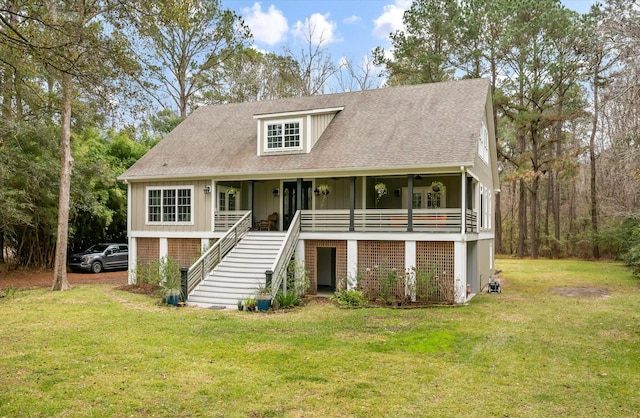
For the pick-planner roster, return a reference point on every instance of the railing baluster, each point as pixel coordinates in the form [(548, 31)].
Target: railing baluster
[(207, 261)]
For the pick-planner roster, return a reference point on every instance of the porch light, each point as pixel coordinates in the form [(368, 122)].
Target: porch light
[(276, 192), (396, 192), (207, 189)]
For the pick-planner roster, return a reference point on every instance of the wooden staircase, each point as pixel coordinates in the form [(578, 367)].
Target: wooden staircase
[(240, 272)]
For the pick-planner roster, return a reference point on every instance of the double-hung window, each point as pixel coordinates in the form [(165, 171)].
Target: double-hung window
[(283, 135), (169, 205)]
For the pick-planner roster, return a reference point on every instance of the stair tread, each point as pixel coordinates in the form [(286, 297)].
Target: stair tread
[(241, 271)]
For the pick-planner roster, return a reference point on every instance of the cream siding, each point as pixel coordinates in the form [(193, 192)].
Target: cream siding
[(201, 215), (318, 124), (264, 202), (338, 198), (485, 255)]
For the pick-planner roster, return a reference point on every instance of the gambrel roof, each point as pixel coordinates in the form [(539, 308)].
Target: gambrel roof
[(393, 128)]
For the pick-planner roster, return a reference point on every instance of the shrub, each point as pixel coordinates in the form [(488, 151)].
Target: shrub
[(297, 278), (287, 299), (632, 258), (148, 273), (353, 298)]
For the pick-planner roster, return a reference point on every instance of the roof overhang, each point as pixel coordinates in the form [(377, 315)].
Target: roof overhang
[(299, 113), (293, 174)]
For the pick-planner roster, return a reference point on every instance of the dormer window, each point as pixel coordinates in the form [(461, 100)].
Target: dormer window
[(283, 135), (294, 132)]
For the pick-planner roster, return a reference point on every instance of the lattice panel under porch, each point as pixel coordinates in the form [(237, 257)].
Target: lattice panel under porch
[(437, 258), (185, 251), (148, 249), (381, 268), (311, 264)]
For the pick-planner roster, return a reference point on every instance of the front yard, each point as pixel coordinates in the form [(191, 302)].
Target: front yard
[(536, 349)]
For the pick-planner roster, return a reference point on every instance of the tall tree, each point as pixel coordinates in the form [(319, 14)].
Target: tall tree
[(357, 77), (313, 63), (68, 41), (251, 75), (185, 45), (424, 51)]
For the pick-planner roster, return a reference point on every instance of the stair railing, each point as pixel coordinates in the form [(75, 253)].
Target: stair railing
[(211, 258), (278, 272)]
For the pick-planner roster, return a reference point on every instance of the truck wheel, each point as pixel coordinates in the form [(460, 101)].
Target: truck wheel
[(96, 267)]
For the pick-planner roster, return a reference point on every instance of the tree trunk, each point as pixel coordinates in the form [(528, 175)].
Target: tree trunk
[(533, 235), (548, 205), (522, 218), (512, 195), (592, 161), (522, 201), (60, 281), (1, 246), (535, 186), (498, 213), (556, 183)]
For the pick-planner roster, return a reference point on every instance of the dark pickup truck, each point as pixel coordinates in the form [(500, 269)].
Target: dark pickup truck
[(101, 257)]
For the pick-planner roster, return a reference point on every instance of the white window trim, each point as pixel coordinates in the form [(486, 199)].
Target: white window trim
[(483, 144), (146, 205), (424, 190), (266, 123)]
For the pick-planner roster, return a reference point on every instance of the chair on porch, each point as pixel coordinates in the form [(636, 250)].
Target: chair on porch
[(270, 223)]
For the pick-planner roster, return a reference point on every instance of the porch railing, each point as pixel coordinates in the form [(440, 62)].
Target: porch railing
[(281, 263), (471, 221), (382, 220), (211, 258), (224, 220)]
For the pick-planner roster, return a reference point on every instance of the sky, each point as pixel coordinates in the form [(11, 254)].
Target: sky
[(350, 28)]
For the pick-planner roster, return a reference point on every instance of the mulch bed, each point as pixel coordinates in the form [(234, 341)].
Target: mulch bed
[(44, 278)]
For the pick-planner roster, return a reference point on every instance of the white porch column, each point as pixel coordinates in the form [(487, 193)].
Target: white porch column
[(214, 203), (352, 264), (131, 274), (463, 187), (299, 253), (133, 259), (460, 271), (204, 245), (164, 248), (410, 262)]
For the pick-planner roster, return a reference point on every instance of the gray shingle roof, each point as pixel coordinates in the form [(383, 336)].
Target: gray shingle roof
[(429, 125)]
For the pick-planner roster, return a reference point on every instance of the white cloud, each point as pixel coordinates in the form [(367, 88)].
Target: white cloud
[(268, 27), (391, 19), (317, 29), (351, 20)]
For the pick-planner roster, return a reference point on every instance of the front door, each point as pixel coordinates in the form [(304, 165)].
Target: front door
[(290, 201)]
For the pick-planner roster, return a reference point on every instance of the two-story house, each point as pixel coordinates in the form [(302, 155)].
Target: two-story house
[(400, 177)]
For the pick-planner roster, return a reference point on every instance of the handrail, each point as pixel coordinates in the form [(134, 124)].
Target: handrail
[(444, 220), (207, 261), (471, 220), (279, 268)]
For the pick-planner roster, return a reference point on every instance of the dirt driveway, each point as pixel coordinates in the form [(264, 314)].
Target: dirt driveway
[(44, 278)]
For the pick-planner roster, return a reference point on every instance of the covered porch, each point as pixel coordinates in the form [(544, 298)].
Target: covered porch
[(435, 203)]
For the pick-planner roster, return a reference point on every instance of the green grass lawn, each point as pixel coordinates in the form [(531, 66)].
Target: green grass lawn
[(528, 352)]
